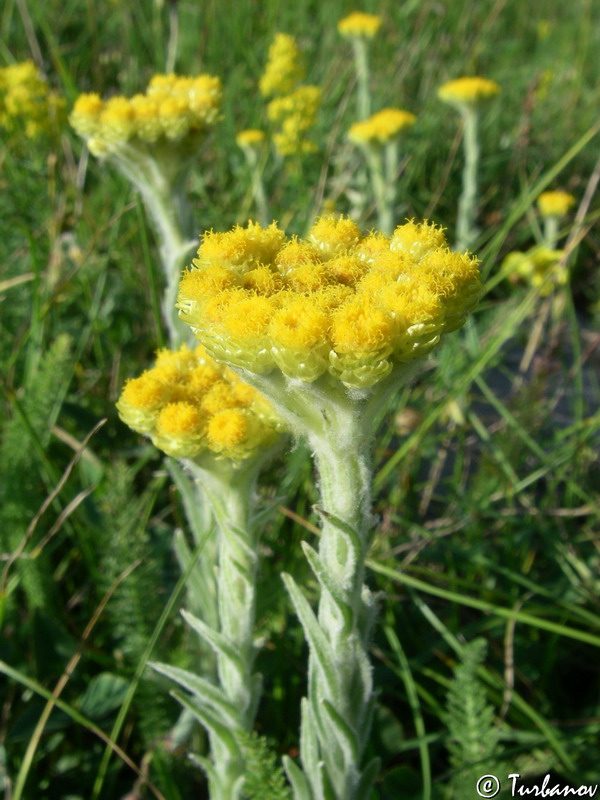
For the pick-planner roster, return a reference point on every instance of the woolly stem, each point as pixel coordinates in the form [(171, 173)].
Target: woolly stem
[(257, 186), (551, 231), (383, 190), (466, 232), (361, 62)]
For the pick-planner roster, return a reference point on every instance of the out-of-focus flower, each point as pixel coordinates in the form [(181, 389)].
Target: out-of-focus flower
[(251, 138), (359, 24), (468, 91), (294, 115), (555, 204), (284, 69), (381, 127), (337, 302), (27, 104), (173, 108), (541, 267), (189, 405)]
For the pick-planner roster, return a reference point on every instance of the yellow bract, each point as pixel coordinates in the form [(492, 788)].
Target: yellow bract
[(468, 91), (359, 24), (172, 108), (188, 404), (381, 127), (336, 302), (555, 204)]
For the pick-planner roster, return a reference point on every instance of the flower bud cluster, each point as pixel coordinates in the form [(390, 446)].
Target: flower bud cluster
[(468, 91), (294, 107), (27, 103), (336, 302), (359, 25), (172, 109), (555, 204), (381, 127), (188, 405), (541, 267)]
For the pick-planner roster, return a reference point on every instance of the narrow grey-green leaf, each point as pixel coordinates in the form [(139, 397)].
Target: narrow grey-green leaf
[(297, 778), (326, 583), (205, 692)]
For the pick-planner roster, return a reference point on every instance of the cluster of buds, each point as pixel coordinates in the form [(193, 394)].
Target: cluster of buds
[(336, 302), (381, 127), (190, 405), (294, 106), (468, 92), (359, 25), (27, 103), (173, 108)]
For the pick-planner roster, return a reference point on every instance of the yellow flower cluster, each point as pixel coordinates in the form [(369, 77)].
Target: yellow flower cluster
[(251, 138), (555, 204), (188, 405), (26, 102), (284, 68), (294, 115), (541, 267), (293, 109), (468, 91), (359, 24), (381, 127), (336, 302), (172, 107)]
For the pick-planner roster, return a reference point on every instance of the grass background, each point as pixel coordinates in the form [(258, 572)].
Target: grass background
[(487, 468)]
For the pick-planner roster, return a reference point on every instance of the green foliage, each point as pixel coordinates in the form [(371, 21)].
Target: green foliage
[(473, 735), (264, 779)]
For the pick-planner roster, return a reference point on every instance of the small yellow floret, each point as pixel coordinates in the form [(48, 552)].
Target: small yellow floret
[(176, 419), (555, 204), (226, 429), (334, 235), (418, 238), (381, 127), (144, 393), (360, 326), (250, 138), (359, 24), (468, 91), (300, 326)]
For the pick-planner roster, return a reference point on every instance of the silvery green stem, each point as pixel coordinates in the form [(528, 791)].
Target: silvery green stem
[(361, 62), (551, 231), (382, 183), (258, 190), (162, 189), (466, 232), (339, 423), (227, 708)]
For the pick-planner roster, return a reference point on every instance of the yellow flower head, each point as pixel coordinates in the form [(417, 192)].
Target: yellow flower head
[(173, 108), (336, 303), (284, 69), (251, 138), (468, 91), (359, 24), (555, 204), (27, 105), (381, 127), (294, 114), (190, 405)]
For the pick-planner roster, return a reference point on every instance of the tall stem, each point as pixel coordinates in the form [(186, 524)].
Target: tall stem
[(382, 189), (361, 61), (166, 204), (551, 231), (466, 232)]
